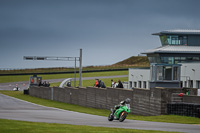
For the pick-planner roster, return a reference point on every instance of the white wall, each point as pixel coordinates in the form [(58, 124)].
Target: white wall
[(190, 71), (136, 75)]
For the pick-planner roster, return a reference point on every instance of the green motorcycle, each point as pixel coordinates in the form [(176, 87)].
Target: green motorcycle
[(120, 114)]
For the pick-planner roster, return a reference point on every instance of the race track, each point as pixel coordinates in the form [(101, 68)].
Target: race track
[(12, 108)]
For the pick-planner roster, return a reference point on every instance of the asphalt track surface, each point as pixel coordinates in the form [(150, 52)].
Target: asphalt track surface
[(15, 109), (25, 84)]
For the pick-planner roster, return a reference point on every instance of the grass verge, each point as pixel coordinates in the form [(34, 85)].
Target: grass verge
[(14, 126), (101, 112), (6, 79)]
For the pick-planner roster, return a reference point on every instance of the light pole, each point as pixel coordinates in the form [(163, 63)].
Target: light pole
[(80, 68), (53, 58)]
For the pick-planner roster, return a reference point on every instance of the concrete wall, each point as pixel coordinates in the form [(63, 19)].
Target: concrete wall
[(191, 99), (41, 92), (143, 102)]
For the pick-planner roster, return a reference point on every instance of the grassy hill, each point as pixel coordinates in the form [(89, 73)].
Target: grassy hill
[(134, 61), (137, 61)]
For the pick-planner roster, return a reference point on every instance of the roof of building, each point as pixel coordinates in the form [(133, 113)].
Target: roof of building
[(174, 49), (179, 32)]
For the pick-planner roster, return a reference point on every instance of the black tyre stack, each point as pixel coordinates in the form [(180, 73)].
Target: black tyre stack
[(184, 109)]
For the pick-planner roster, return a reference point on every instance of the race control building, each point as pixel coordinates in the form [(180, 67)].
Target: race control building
[(175, 64)]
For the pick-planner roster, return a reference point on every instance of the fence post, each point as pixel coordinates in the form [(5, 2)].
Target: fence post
[(52, 93)]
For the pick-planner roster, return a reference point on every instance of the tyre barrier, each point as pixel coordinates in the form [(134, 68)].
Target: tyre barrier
[(184, 109), (26, 92)]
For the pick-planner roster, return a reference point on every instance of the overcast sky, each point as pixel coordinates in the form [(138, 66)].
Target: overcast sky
[(108, 31)]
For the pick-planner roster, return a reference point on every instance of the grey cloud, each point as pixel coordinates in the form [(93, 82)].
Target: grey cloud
[(118, 26)]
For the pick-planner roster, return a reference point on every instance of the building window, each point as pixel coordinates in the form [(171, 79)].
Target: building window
[(173, 40), (183, 58), (164, 40), (191, 83), (185, 84), (135, 84), (140, 84), (181, 84), (189, 59), (159, 73), (198, 84), (176, 60), (167, 72), (171, 60), (195, 58), (144, 84), (185, 40), (130, 83), (163, 72), (152, 73), (167, 60), (164, 60), (175, 73), (154, 58)]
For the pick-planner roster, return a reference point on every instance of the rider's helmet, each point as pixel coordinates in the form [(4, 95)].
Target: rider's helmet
[(128, 100)]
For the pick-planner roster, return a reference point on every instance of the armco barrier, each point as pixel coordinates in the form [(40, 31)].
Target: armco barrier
[(143, 102)]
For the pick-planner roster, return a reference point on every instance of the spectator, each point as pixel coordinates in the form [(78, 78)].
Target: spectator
[(115, 85), (32, 81), (69, 84), (101, 83), (112, 83), (45, 83), (96, 83), (48, 84), (120, 85), (187, 92), (40, 83), (17, 89)]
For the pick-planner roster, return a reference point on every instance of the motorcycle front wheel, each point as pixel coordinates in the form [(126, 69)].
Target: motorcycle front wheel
[(110, 117), (123, 116)]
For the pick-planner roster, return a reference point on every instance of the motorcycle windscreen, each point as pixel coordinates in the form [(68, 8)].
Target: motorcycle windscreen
[(128, 106)]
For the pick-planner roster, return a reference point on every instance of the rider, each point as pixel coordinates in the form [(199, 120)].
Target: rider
[(122, 103)]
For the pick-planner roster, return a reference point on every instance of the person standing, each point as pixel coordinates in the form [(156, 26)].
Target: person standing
[(96, 83), (102, 85), (120, 85), (112, 83)]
